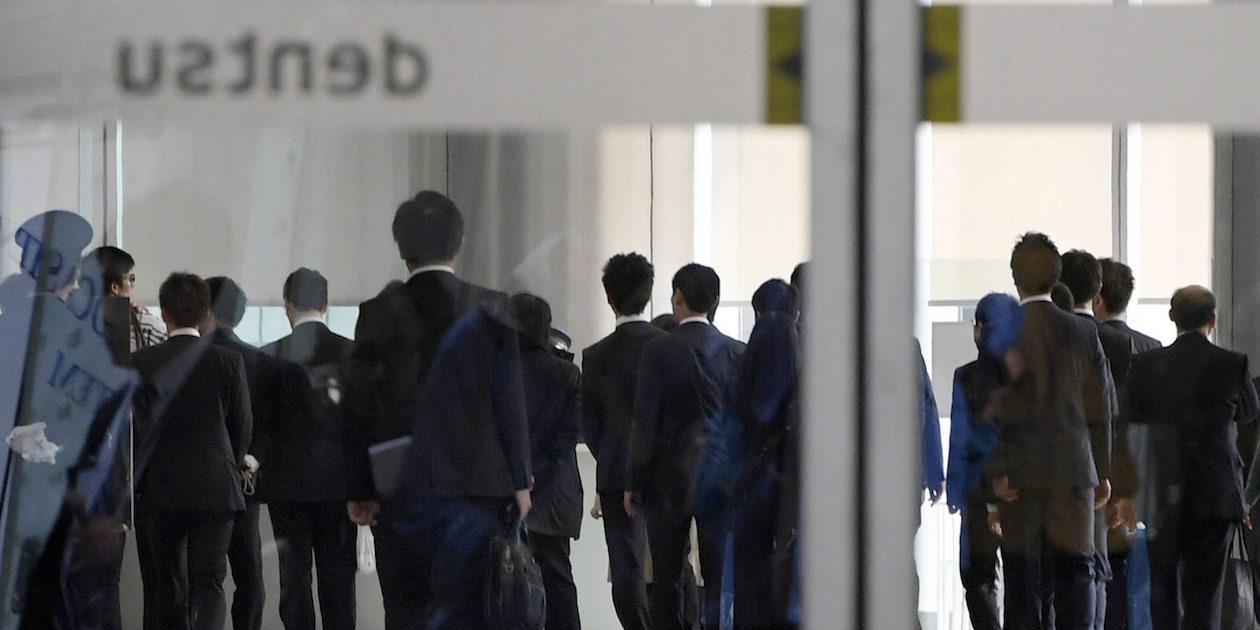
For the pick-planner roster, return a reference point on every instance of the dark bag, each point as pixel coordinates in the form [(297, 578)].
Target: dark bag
[(515, 597), (1242, 591)]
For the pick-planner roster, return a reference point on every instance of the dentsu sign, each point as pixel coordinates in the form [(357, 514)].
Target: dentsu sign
[(247, 65)]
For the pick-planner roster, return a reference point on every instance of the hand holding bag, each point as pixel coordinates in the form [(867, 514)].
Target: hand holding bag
[(515, 596)]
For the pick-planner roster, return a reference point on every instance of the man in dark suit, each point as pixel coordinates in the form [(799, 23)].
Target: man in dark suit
[(396, 337), (610, 375), (682, 381), (447, 504), (552, 386), (1082, 275), (1052, 461), (303, 479), (227, 308), (1109, 308), (193, 428), (1191, 394)]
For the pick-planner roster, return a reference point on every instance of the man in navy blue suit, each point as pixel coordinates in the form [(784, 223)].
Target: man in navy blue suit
[(682, 382)]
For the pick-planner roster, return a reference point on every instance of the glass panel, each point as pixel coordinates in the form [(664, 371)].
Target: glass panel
[(1175, 210)]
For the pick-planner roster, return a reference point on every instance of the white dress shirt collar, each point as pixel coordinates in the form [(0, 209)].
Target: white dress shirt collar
[(1084, 311), (428, 268), (628, 319), (184, 332), (1043, 297), (698, 319), (308, 319)]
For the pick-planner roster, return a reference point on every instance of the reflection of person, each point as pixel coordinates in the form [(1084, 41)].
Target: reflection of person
[(396, 338), (971, 438), (682, 381), (1051, 462), (448, 506), (62, 537), (610, 373), (552, 386), (196, 416), (764, 515), (932, 466), (227, 308), (1190, 395), (304, 481)]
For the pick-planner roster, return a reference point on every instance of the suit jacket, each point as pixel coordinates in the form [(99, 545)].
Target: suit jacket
[(1191, 394), (396, 337), (683, 380), (200, 441), (260, 369), (552, 388), (471, 436), (1057, 405), (307, 460), (610, 374)]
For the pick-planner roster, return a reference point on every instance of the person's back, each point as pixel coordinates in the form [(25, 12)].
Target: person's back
[(193, 426), (1189, 396)]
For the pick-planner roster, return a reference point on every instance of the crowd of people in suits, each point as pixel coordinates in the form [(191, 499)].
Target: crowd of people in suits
[(1070, 428), (453, 414)]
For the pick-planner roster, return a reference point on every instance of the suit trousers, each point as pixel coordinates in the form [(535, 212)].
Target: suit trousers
[(319, 535), (669, 538), (1117, 615), (1048, 548), (403, 575), (1188, 558), (189, 555), (626, 537), (1102, 569), (552, 555), (978, 566), (245, 560)]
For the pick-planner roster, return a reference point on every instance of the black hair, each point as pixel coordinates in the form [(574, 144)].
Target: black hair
[(1082, 274), (306, 289), (1063, 297), (185, 299), (700, 287), (665, 321), (227, 301), (428, 228), (533, 316), (628, 282), (1192, 307), (1035, 264), (115, 265), (1117, 285), (775, 296)]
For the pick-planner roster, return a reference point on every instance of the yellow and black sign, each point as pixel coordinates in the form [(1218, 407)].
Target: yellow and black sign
[(941, 101), (784, 65)]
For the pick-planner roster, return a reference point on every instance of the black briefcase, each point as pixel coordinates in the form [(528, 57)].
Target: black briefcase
[(1242, 591), (515, 597)]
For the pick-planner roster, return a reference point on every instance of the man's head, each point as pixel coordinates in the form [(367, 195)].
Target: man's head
[(1193, 308), (185, 300), (1035, 264), (1062, 297), (1117, 289), (776, 296), (697, 290), (305, 293), (1083, 276), (628, 283), (428, 229), (115, 269), (533, 316), (227, 301)]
